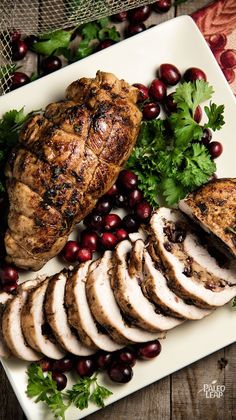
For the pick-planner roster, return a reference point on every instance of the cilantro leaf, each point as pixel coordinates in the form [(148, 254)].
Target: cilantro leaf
[(50, 42), (215, 116)]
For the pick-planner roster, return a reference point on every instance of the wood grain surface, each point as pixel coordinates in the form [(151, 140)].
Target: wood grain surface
[(177, 396)]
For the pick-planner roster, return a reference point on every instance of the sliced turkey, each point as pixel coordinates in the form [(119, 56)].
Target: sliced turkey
[(105, 308), (155, 286), (126, 283), (79, 313), (57, 317), (12, 327), (4, 298), (33, 324), (193, 273)]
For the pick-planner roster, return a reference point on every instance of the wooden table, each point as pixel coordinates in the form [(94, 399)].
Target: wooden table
[(176, 396)]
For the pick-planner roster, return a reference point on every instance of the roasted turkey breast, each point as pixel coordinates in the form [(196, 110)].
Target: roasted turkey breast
[(67, 158)]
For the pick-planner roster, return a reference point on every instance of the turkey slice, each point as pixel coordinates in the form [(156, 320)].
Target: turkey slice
[(79, 313), (105, 308), (57, 317), (4, 298), (126, 283), (192, 272)]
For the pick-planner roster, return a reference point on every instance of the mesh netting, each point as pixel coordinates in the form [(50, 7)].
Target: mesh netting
[(41, 16)]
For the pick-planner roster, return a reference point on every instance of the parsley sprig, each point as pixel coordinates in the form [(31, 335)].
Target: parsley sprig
[(43, 388), (169, 158)]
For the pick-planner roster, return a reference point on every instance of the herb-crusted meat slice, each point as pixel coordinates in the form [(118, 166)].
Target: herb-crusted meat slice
[(66, 159)]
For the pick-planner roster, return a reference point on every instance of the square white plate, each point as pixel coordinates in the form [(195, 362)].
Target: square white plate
[(177, 41)]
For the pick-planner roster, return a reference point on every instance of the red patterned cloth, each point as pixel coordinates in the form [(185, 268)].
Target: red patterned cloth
[(217, 22)]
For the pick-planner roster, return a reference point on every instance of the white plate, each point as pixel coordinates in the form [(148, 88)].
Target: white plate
[(136, 60)]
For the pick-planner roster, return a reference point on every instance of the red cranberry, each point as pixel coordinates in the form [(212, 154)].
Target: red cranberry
[(15, 35), (157, 90), (128, 180), (120, 372), (162, 6), (8, 275), (121, 234), (169, 104), (169, 74), (229, 75), (228, 59), (131, 224), (108, 240), (94, 220), (89, 240), (143, 211), (135, 197), (51, 64), (198, 114), (45, 364), (84, 254), (111, 221), (217, 41), (120, 200), (104, 359), (105, 44), (134, 29), (85, 366), (120, 17), (31, 40), (127, 356), (151, 111), (113, 190), (215, 148), (18, 79), (143, 92), (149, 350), (206, 137), (104, 205), (10, 287), (70, 250), (19, 50), (63, 365), (60, 379), (139, 14), (194, 73)]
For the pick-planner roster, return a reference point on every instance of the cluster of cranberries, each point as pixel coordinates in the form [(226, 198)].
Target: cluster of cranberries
[(225, 57), (156, 95), (105, 229), (118, 365)]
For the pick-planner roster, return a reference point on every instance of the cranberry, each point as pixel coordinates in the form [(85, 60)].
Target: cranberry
[(15, 35), (151, 111), (143, 92), (45, 364), (229, 75), (120, 17), (217, 41), (18, 79), (113, 190), (120, 372), (108, 240), (135, 197), (70, 250), (157, 90), (169, 74), (169, 104), (105, 44), (111, 221), (215, 148), (127, 356), (194, 73), (63, 365), (8, 275), (228, 59), (51, 64), (131, 224), (162, 6), (198, 114), (85, 366), (9, 287), (149, 350), (104, 205), (134, 29), (89, 240), (128, 180), (206, 137), (19, 49), (121, 234), (60, 379), (121, 200), (143, 211), (139, 14), (84, 254), (94, 220), (104, 359)]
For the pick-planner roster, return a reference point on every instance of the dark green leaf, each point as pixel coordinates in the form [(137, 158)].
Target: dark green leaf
[(234, 302), (50, 42), (99, 394), (215, 116), (109, 33)]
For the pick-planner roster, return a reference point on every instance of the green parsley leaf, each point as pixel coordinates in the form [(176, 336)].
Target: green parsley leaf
[(172, 191), (80, 392), (89, 30), (215, 116), (193, 94), (234, 302), (50, 42), (99, 395), (109, 33)]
